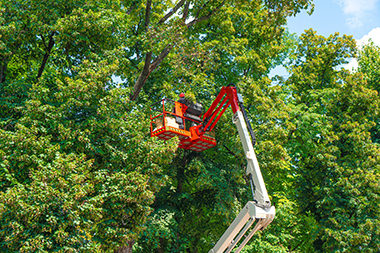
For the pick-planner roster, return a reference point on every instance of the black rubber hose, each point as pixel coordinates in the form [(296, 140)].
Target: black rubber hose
[(248, 124), (246, 119), (252, 187)]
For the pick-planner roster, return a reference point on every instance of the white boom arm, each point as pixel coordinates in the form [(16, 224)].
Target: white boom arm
[(260, 210)]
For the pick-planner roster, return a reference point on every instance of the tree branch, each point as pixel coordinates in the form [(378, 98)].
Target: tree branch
[(147, 13), (199, 11), (296, 246), (148, 68), (133, 6), (43, 40), (197, 20), (171, 12), (186, 10), (133, 64), (160, 58), (142, 78), (47, 53), (230, 152)]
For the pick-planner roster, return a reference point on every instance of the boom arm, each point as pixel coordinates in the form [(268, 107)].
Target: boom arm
[(260, 209)]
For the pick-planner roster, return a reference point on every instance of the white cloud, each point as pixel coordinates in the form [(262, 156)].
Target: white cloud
[(352, 65), (373, 35), (354, 22), (357, 10), (354, 7)]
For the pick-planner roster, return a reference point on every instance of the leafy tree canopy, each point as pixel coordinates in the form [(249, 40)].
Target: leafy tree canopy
[(80, 173)]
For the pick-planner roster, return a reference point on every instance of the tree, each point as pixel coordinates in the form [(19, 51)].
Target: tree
[(74, 168), (78, 169), (38, 36), (78, 172), (336, 162), (369, 66), (233, 52), (189, 24)]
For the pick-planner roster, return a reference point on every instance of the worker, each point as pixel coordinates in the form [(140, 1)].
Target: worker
[(179, 120), (193, 111), (182, 98)]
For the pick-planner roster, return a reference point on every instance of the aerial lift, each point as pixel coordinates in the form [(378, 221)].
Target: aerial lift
[(195, 132)]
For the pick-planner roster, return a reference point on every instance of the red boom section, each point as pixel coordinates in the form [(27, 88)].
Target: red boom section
[(226, 97)]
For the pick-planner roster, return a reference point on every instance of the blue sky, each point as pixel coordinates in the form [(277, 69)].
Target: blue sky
[(351, 17), (360, 18)]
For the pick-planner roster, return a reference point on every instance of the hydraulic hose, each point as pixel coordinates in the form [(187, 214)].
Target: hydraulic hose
[(248, 124), (240, 100)]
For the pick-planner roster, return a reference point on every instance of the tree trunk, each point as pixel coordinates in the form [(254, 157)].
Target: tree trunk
[(3, 70), (161, 248), (47, 53), (125, 249)]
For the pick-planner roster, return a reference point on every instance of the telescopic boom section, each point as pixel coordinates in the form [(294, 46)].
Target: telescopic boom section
[(260, 209)]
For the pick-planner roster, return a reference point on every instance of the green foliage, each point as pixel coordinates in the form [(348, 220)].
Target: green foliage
[(335, 159), (80, 173), (369, 66), (290, 231), (81, 160), (54, 212)]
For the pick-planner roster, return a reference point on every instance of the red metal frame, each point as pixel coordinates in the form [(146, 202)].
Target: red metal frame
[(229, 96), (196, 138), (165, 131)]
